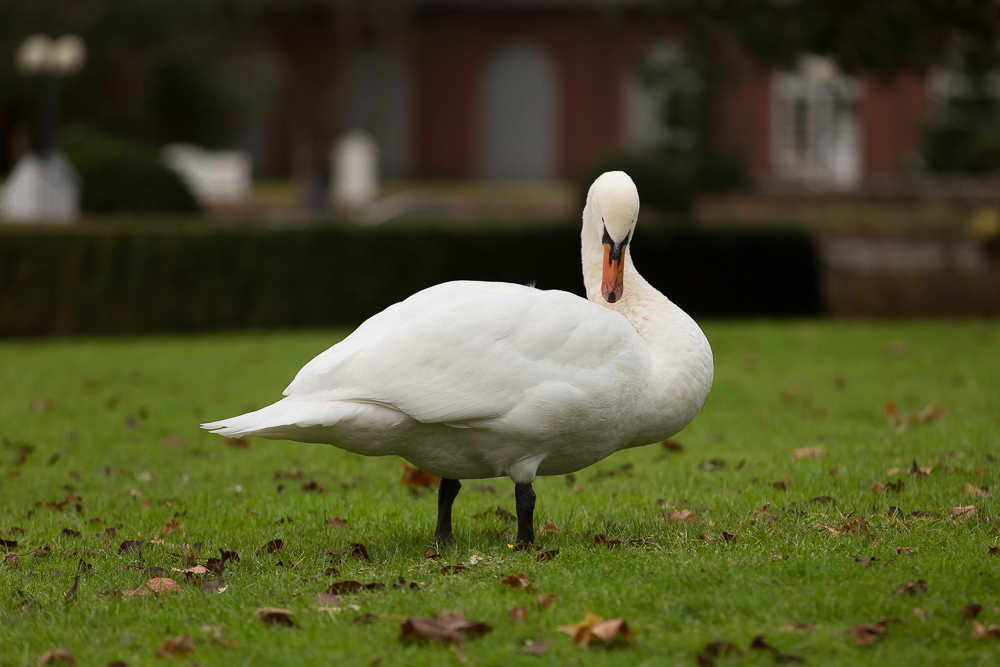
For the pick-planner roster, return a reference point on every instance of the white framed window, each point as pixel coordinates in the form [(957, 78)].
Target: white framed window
[(815, 129)]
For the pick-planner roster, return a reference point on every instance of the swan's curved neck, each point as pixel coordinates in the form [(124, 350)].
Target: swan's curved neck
[(641, 304)]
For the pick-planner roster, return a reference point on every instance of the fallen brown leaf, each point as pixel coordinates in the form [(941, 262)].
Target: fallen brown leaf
[(878, 487), (807, 453), (971, 611), (454, 569), (129, 546), (993, 551), (682, 516), (545, 529), (130, 593), (417, 477), (272, 547), (517, 614), (912, 587), (866, 634), (337, 522), (61, 655), (906, 551), (602, 539), (498, 512), (447, 628), (930, 413), (672, 446), (980, 631), (543, 556), (961, 513), (545, 600), (516, 581), (271, 616), (172, 526), (865, 561), (175, 647), (593, 626), (193, 571), (163, 585), (975, 491)]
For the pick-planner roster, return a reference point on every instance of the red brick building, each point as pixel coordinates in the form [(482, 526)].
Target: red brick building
[(536, 89)]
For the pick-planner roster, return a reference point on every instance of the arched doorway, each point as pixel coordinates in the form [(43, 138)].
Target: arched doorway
[(519, 113), (379, 100)]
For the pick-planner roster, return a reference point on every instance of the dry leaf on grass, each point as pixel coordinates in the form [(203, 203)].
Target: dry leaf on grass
[(60, 655), (980, 631), (129, 546), (682, 516), (545, 529), (807, 453), (672, 446), (912, 587), (993, 551), (594, 627), (517, 581), (867, 633), (975, 491), (129, 593), (172, 526), (545, 600), (971, 611), (961, 513), (272, 547), (272, 616), (175, 647), (929, 414), (337, 522), (163, 585), (602, 539), (517, 614), (417, 477), (543, 556), (447, 628), (905, 551)]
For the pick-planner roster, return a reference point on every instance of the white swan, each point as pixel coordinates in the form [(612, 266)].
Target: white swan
[(470, 380)]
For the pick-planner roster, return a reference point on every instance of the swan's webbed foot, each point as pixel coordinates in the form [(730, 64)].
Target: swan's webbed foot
[(524, 503), (446, 497)]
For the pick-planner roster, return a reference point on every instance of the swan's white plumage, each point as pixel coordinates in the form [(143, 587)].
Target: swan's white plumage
[(475, 379)]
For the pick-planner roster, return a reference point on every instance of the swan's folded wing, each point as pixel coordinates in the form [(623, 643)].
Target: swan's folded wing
[(475, 355)]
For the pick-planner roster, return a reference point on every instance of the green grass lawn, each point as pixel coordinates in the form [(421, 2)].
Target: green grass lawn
[(113, 425)]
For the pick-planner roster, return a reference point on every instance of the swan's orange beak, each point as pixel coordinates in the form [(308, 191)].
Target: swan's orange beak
[(612, 283)]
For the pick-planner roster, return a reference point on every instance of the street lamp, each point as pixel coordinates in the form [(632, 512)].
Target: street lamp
[(45, 187), (50, 60)]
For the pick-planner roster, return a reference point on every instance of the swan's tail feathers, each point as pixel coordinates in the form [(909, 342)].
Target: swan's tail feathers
[(288, 419)]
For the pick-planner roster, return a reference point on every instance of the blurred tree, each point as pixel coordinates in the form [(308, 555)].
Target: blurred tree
[(883, 37), (157, 70)]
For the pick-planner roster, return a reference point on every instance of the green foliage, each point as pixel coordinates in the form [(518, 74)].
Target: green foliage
[(128, 278), (121, 176), (114, 422), (156, 71)]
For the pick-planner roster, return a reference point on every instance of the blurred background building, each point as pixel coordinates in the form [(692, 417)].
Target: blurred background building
[(770, 93)]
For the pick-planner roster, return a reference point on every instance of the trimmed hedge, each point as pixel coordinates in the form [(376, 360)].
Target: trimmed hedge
[(82, 280)]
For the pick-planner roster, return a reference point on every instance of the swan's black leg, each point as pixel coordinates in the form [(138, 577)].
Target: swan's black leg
[(446, 497), (524, 502)]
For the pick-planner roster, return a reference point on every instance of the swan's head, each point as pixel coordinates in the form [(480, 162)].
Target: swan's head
[(613, 204)]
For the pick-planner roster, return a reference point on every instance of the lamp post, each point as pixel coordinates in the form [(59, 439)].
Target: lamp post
[(44, 188), (50, 60)]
